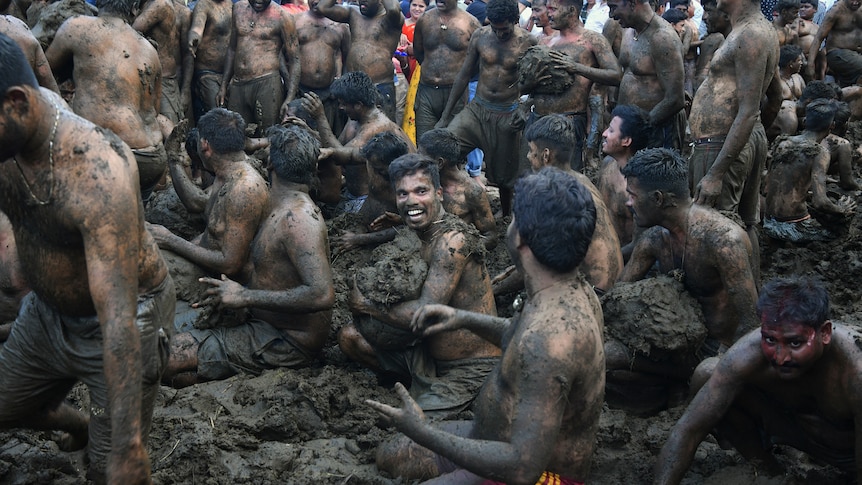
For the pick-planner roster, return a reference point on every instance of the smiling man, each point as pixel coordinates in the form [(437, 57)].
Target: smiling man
[(794, 381)]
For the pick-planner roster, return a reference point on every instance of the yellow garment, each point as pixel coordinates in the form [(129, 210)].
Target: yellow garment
[(408, 123)]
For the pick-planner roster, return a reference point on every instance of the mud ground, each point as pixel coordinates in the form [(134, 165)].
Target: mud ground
[(312, 426)]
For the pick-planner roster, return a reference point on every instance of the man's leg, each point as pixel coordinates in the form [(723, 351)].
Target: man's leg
[(402, 457)]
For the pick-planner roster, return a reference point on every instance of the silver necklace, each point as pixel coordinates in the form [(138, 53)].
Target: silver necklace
[(39, 201)]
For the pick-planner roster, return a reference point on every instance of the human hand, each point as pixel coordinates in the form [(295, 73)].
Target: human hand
[(387, 220), (283, 110), (325, 153), (295, 121), (193, 45), (221, 97), (707, 191), (311, 102), (847, 205), (160, 234), (358, 303), (129, 466), (345, 241), (175, 143), (408, 418), (433, 318), (225, 292)]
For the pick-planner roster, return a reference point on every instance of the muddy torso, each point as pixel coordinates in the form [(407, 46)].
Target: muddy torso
[(320, 44), (164, 30), (373, 40), (576, 97), (498, 64), (260, 39), (215, 39), (846, 32), (444, 49)]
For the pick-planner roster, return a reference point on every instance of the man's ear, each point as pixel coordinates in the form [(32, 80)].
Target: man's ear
[(826, 332), (546, 156), (658, 197), (16, 99), (626, 142)]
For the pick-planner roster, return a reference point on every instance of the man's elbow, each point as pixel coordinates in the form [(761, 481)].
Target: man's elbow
[(324, 298)]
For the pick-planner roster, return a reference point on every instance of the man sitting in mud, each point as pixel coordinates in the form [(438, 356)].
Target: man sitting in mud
[(444, 370), (551, 140), (708, 252), (537, 414), (290, 290), (235, 204), (799, 165), (102, 295), (115, 88), (793, 381)]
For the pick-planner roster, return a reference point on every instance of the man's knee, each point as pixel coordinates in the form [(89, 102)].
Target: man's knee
[(353, 344), (702, 373)]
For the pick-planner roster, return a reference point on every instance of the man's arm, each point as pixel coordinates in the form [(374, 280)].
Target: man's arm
[(197, 26), (330, 10), (291, 56), (418, 41), (433, 318), (733, 264), (608, 70), (667, 55), (394, 18), (822, 33), (154, 13), (228, 59), (345, 48), (644, 255), (483, 217), (819, 199), (188, 61), (60, 53), (191, 196), (468, 69)]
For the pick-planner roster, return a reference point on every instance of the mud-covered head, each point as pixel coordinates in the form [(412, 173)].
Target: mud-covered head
[(17, 84), (354, 88), (629, 130), (819, 89), (411, 164), (382, 149), (122, 8), (656, 180), (15, 70), (222, 130), (418, 195), (441, 145), (564, 14), (294, 108), (554, 215), (293, 153), (552, 140), (716, 20), (788, 10), (807, 9), (820, 115), (788, 54), (676, 18), (503, 18)]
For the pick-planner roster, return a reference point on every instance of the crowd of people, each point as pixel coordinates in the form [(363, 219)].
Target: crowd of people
[(639, 139)]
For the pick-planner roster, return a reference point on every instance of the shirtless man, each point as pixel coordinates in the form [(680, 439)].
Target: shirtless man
[(795, 380), (235, 204), (730, 149), (440, 44), (786, 23), (208, 41), (446, 369), (261, 68), (842, 30), (101, 299), (627, 133), (799, 166), (375, 30), (116, 88), (588, 57), (551, 141), (790, 61), (158, 21), (290, 291), (807, 30), (653, 74), (18, 31), (540, 19), (717, 28), (711, 252), (323, 48), (485, 122), (537, 415)]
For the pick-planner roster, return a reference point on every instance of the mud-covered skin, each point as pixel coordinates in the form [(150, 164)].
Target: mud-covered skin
[(18, 31), (117, 75), (13, 286), (375, 29), (841, 160), (158, 21), (713, 254), (86, 252), (442, 51), (612, 187), (655, 86), (586, 54), (841, 28), (728, 102), (323, 47), (263, 40), (786, 26), (465, 198), (818, 401), (209, 34)]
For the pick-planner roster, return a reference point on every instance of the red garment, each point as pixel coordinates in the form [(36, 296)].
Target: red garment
[(547, 478), (408, 31)]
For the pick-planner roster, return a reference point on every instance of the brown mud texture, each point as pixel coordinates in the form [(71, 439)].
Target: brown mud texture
[(539, 74), (312, 425)]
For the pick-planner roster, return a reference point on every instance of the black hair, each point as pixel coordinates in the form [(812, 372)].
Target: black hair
[(674, 16), (119, 7), (413, 163), (813, 3), (555, 132), (820, 89), (842, 113), (355, 87), (295, 106), (293, 153), (819, 114), (502, 11), (659, 169), (385, 146), (634, 124), (223, 129), (676, 3), (441, 143), (785, 4), (555, 216), (15, 70), (788, 53), (794, 299)]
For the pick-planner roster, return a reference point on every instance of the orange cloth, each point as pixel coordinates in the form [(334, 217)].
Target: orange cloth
[(547, 478)]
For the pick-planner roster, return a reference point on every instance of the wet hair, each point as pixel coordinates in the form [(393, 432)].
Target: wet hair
[(785, 4), (293, 153), (223, 129), (413, 163), (676, 3), (819, 114), (385, 146), (441, 143), (788, 54), (296, 107), (634, 124), (554, 132), (842, 113), (813, 3), (120, 7), (659, 169), (355, 87), (15, 70), (794, 299), (714, 3), (674, 16), (502, 11), (555, 216), (819, 89)]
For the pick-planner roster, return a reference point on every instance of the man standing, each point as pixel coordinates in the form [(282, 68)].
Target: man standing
[(440, 45), (101, 292), (375, 33), (795, 380), (262, 63), (537, 414), (540, 19), (116, 88), (485, 123), (208, 41), (653, 73), (841, 31)]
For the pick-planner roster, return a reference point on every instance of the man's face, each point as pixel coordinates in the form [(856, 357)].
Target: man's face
[(504, 30), (796, 65), (446, 5), (559, 15), (540, 15), (418, 202), (259, 5), (806, 11), (621, 10), (793, 348), (535, 157), (679, 27), (613, 141), (350, 109), (853, 4), (369, 7), (716, 21), (644, 209)]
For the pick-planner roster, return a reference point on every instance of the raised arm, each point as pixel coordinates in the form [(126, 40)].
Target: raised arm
[(338, 13), (393, 16)]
